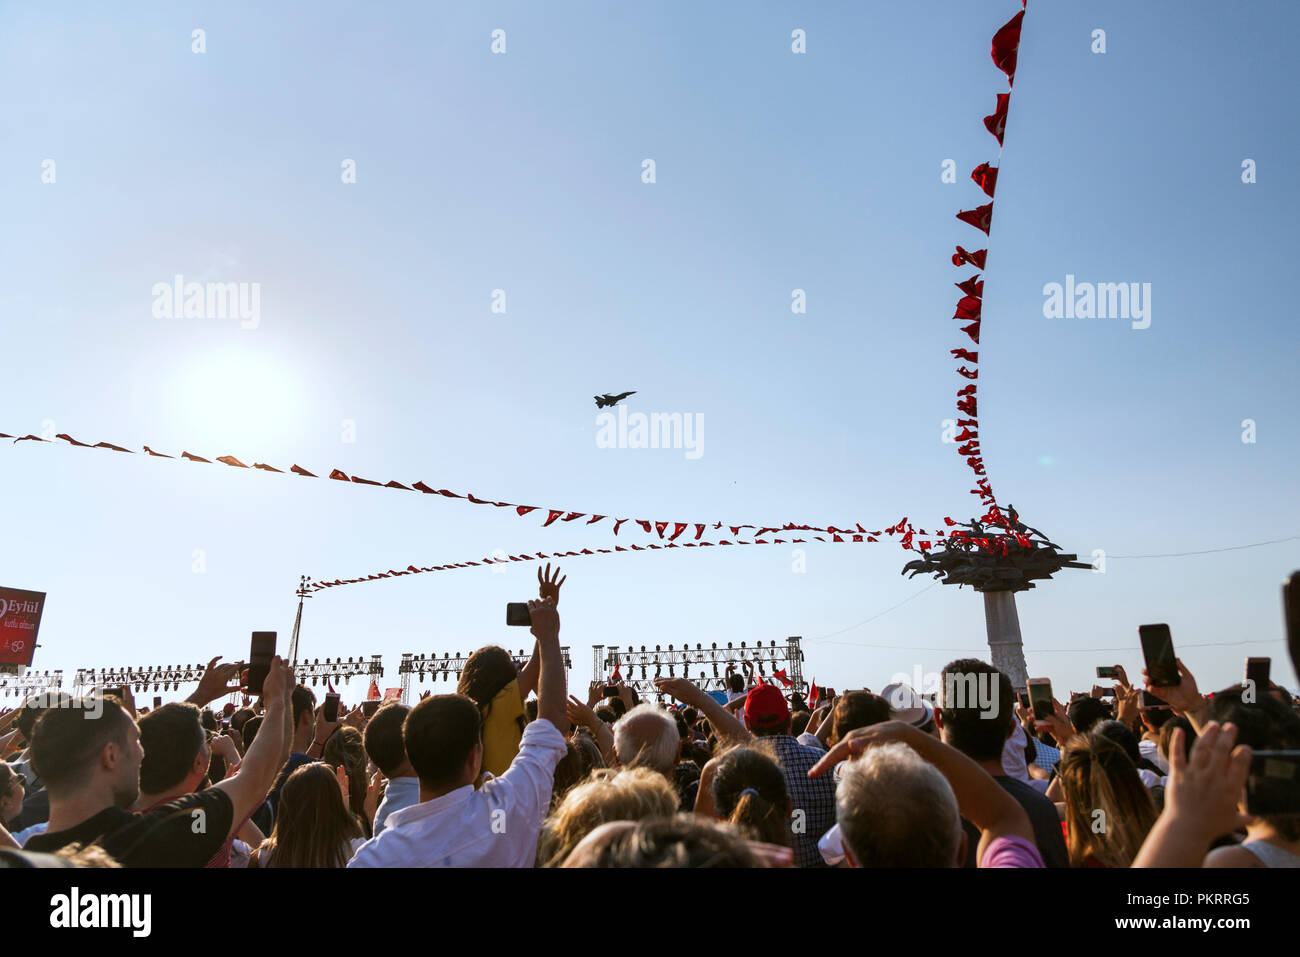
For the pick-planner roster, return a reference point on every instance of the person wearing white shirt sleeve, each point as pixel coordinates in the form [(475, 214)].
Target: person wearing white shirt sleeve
[(497, 825)]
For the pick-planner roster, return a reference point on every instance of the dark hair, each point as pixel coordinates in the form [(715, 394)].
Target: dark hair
[(617, 706), (736, 682), (249, 731), (966, 724), (1084, 713), (208, 720), (855, 709), (1167, 737), (749, 791), (67, 741), (8, 779), (172, 738), (486, 672), (799, 723), (1265, 724), (690, 715), (240, 718), (1122, 735), (312, 826), (34, 707), (304, 702), (440, 733), (384, 737), (606, 714)]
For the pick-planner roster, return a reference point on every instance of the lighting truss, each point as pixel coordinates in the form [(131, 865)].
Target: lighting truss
[(451, 664), (705, 665)]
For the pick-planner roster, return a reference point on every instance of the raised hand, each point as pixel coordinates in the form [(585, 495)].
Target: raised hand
[(545, 620), (216, 682), (683, 689), (1184, 697), (547, 586), (341, 775), (580, 714)]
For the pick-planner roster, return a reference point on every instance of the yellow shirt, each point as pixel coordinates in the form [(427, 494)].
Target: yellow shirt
[(502, 731)]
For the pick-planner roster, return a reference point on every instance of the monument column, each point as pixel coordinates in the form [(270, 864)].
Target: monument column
[(1003, 627)]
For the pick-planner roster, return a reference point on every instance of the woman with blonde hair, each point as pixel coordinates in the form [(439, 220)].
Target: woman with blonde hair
[(632, 794), (1108, 811), (346, 749)]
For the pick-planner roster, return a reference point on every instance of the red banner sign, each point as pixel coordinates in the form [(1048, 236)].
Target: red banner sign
[(20, 619)]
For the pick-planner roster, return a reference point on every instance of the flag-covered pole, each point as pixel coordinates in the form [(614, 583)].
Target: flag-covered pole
[(304, 583)]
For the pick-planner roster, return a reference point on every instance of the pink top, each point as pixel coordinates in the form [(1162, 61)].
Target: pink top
[(1011, 851)]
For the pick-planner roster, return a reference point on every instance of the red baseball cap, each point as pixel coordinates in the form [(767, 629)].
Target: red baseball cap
[(765, 707)]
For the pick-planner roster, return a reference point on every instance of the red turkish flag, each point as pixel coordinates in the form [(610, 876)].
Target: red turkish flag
[(986, 178), (1006, 45), (974, 286), (976, 258), (968, 307), (981, 217), (996, 122)]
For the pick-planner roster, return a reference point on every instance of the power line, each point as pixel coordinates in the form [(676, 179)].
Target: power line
[(1210, 551)]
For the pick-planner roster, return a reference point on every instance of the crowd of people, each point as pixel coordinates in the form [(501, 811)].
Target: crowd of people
[(513, 771)]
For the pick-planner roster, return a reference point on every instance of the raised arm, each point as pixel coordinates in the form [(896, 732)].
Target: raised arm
[(979, 798), (1200, 798), (724, 724), (551, 688), (215, 683), (582, 714), (263, 761)]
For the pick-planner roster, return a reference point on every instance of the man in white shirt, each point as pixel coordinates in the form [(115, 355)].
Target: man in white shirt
[(497, 825)]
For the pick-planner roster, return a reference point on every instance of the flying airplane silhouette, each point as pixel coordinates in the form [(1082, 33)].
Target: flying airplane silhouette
[(606, 400)]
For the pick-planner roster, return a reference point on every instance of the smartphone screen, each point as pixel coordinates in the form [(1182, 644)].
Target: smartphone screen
[(1257, 670), (260, 652), (611, 691), (1151, 701), (517, 614), (1024, 701), (1158, 649), (1040, 698), (368, 708), (1107, 671), (1274, 783), (330, 710), (157, 702)]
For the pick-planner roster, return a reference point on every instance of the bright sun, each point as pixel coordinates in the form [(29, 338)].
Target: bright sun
[(234, 394)]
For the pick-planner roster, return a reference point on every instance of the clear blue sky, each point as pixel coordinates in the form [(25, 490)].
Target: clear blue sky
[(521, 172)]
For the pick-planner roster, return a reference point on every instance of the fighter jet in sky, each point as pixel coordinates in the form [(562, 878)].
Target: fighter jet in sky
[(607, 400)]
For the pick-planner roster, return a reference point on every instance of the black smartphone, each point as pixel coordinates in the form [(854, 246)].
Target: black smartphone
[(368, 708), (517, 614), (1257, 670), (260, 652), (1274, 783), (1291, 607), (1106, 692), (157, 702), (611, 691), (1024, 701), (1108, 671), (1040, 698), (1158, 650), (330, 709)]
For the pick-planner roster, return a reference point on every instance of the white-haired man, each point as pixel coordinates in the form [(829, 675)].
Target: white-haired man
[(647, 737)]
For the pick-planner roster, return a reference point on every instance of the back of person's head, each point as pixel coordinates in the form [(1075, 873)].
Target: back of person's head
[(589, 751), (606, 714), (647, 737), (32, 709), (313, 828), (1156, 718), (383, 738), (346, 749), (684, 841), (799, 722), (1167, 730), (977, 708), (1085, 713), (632, 794), (440, 734), (736, 682), (569, 772), (240, 718), (749, 791), (1108, 811), (11, 793), (1123, 735), (618, 706), (304, 703), (690, 715), (486, 673), (1263, 725), (856, 709), (172, 738), (69, 742), (208, 720), (249, 731), (895, 809)]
